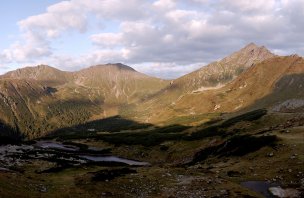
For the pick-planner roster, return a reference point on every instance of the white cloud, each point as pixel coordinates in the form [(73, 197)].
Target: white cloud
[(107, 39), (248, 6), (164, 37), (58, 18), (166, 70), (165, 4), (116, 9)]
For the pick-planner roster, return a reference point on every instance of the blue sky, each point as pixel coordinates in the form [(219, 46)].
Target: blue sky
[(13, 11), (163, 38)]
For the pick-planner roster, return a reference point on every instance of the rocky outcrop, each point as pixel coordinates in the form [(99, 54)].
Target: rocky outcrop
[(290, 106), (284, 193)]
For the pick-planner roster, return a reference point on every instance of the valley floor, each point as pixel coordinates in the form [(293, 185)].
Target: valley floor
[(266, 151)]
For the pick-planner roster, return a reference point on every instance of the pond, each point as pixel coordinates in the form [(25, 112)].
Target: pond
[(88, 154), (56, 145), (260, 187), (114, 159)]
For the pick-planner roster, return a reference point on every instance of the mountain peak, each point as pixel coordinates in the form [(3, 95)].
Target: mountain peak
[(249, 55), (251, 45), (43, 73), (44, 66), (112, 66), (120, 66)]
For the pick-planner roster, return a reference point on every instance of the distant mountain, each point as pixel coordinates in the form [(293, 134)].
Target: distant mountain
[(273, 83), (118, 83), (221, 72), (212, 76), (43, 73), (37, 100)]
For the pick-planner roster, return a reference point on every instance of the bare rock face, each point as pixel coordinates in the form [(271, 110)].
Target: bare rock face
[(288, 192), (290, 105)]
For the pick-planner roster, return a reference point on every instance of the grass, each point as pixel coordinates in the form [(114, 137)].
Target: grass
[(238, 145), (107, 175), (141, 138), (221, 128), (185, 120), (249, 116), (154, 136), (224, 161)]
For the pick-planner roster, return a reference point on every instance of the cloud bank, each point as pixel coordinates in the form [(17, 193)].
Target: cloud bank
[(164, 38)]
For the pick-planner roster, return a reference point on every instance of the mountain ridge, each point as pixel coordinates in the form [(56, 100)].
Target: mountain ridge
[(212, 76), (36, 103), (244, 92)]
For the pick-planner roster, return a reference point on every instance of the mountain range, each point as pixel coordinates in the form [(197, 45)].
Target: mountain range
[(36, 101)]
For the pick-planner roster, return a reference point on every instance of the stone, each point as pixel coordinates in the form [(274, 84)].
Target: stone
[(43, 189), (288, 192)]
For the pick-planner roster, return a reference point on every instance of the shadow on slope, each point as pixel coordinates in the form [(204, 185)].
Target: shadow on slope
[(238, 145), (288, 88), (220, 129), (110, 124), (8, 135), (117, 130)]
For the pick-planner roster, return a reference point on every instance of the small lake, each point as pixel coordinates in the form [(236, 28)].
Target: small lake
[(260, 187), (89, 154), (56, 145), (114, 159)]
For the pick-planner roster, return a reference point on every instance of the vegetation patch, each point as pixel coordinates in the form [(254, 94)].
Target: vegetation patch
[(204, 133), (238, 145), (150, 138), (110, 174), (249, 116), (220, 129)]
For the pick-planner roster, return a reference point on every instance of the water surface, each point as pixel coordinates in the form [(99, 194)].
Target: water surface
[(113, 159), (260, 187)]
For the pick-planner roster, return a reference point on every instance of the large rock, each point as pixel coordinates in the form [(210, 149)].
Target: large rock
[(288, 192)]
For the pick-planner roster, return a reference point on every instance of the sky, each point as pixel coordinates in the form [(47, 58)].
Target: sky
[(162, 38)]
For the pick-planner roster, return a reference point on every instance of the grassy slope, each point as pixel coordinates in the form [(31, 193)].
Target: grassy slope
[(38, 100), (258, 82)]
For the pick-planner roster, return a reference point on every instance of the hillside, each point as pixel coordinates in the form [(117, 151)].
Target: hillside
[(210, 77), (110, 127), (38, 100), (45, 74), (221, 72), (42, 99), (264, 85), (118, 83)]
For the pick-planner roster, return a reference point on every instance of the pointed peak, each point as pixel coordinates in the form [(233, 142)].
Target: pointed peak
[(251, 45), (252, 48), (248, 55)]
